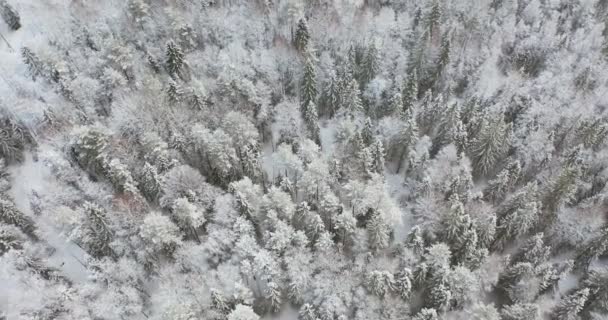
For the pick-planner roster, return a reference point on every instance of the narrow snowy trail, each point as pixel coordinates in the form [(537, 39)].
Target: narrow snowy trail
[(33, 176)]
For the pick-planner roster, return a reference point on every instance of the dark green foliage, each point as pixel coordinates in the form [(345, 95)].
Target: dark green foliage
[(9, 214), (10, 15)]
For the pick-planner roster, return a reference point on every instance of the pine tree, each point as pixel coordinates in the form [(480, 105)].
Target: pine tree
[(351, 99), (331, 96), (407, 139), (444, 56), (378, 232), (312, 121), (90, 151), (571, 306), (518, 215), (273, 296), (415, 241), (367, 132), (302, 36), (377, 154), (395, 104), (379, 283), (370, 65), (174, 59), (534, 251), (451, 130), (597, 247), (97, 235), (426, 314), (120, 177), (561, 190), (410, 91), (522, 311), (33, 63), (433, 19), (10, 15), (174, 92), (10, 215), (150, 183), (307, 312), (403, 283), (309, 83), (490, 145), (139, 10), (500, 186)]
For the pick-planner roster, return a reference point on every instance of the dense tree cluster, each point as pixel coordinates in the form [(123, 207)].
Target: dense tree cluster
[(312, 160)]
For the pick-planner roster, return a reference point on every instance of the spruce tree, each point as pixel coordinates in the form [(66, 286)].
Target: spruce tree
[(426, 314), (415, 240), (433, 19), (312, 121), (10, 15), (150, 182), (500, 186), (597, 247), (367, 132), (302, 36), (174, 92), (410, 91), (309, 83), (97, 235), (370, 65), (377, 153), (10, 215), (378, 232), (570, 307), (33, 63), (518, 215), (490, 145), (174, 60), (331, 97), (351, 100)]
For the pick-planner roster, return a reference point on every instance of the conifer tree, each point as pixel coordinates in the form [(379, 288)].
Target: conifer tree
[(570, 307), (10, 15), (378, 232), (312, 121), (426, 314), (433, 19), (309, 83), (307, 312), (410, 91), (174, 92), (597, 247), (444, 56), (500, 186), (415, 240), (377, 155), (10, 215), (350, 99), (174, 59), (367, 132), (97, 235), (395, 104), (302, 36), (32, 61), (407, 139), (370, 65), (518, 215), (150, 183), (561, 190), (490, 145), (331, 96), (520, 311), (403, 283)]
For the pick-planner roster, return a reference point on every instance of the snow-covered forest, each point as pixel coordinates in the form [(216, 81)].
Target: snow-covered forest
[(303, 159)]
